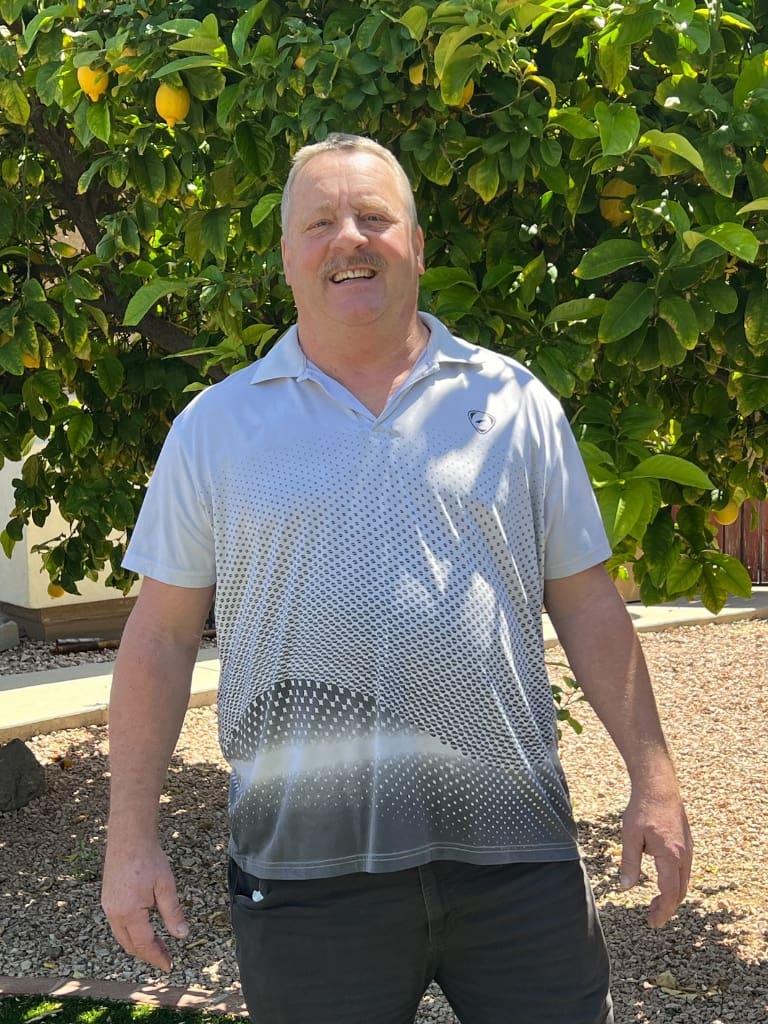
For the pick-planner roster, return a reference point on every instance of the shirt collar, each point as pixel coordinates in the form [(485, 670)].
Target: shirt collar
[(286, 360)]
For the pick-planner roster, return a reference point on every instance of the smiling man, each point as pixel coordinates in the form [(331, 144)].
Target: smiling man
[(381, 510)]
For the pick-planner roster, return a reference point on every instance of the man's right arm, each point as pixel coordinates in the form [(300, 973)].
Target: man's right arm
[(149, 698)]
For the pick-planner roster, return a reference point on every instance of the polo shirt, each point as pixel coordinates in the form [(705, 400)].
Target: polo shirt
[(384, 699)]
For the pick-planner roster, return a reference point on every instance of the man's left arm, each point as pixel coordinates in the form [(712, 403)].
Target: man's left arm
[(605, 656)]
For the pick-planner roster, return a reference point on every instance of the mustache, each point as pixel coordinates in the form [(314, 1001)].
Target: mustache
[(333, 266)]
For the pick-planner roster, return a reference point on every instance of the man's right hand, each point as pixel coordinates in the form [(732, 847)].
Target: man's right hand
[(134, 882)]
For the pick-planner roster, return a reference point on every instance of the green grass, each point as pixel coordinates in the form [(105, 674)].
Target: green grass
[(44, 1010)]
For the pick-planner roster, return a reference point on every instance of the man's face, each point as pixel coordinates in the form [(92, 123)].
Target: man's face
[(350, 251)]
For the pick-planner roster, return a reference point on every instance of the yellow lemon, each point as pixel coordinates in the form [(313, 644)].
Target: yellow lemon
[(613, 206), (727, 514), (54, 590), (127, 52), (172, 103), (93, 81), (300, 61)]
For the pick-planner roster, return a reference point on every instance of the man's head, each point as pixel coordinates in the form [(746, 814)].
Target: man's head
[(338, 142), (352, 247)]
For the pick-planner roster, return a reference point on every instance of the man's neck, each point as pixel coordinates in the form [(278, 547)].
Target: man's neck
[(369, 361)]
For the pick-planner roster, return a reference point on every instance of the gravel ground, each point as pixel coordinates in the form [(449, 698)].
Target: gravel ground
[(709, 966)]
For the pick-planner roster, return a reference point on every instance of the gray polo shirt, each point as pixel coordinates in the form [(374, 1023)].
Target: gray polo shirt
[(384, 699)]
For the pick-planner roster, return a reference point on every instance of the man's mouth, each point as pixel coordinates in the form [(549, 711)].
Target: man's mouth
[(352, 274)]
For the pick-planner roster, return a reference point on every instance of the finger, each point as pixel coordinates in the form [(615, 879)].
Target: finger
[(631, 859), (137, 937), (170, 908), (669, 880)]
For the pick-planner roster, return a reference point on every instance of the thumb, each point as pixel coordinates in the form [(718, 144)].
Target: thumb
[(170, 908)]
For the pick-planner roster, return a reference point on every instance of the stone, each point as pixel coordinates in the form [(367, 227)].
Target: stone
[(21, 776), (9, 634)]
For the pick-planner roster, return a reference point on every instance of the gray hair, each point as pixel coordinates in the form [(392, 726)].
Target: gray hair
[(341, 142)]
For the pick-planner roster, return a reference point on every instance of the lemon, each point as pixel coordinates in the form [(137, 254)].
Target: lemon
[(54, 590), (613, 207), (128, 51), (727, 514), (172, 103), (467, 94), (300, 61), (93, 81)]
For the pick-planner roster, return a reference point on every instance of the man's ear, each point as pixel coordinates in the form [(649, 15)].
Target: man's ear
[(286, 261), (419, 237)]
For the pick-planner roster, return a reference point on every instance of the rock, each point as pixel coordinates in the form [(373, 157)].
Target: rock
[(9, 633), (21, 776)]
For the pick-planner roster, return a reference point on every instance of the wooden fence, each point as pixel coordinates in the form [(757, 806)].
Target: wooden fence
[(747, 543)]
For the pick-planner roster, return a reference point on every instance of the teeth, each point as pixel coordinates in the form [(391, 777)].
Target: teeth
[(351, 275)]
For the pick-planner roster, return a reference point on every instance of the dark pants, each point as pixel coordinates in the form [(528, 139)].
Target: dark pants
[(510, 944)]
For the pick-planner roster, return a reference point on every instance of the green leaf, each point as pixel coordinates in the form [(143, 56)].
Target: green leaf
[(681, 317), (483, 178), (549, 366), (619, 127), (99, 121), (530, 278), (730, 237), (437, 278), (264, 207), (187, 64), (150, 294), (254, 148), (671, 142), (754, 75), (722, 297), (621, 505), (245, 23), (575, 310), (44, 314), (670, 467), (629, 308), (14, 102), (458, 71), (613, 62), (734, 574), (672, 352), (214, 231), (721, 165), (683, 575), (712, 588), (79, 431), (450, 42), (756, 319), (415, 20), (573, 122), (40, 19), (110, 374), (608, 257), (756, 206)]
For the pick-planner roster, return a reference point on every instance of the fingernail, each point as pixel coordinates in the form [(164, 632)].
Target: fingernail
[(626, 882), (182, 931)]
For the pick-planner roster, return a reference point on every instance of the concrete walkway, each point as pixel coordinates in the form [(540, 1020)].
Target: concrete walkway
[(42, 702)]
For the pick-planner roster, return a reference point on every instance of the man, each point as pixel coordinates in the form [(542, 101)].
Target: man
[(382, 509)]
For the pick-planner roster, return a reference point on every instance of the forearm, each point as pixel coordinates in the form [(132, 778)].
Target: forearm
[(607, 660), (150, 695)]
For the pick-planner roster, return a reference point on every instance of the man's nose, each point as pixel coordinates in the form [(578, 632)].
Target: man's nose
[(349, 233)]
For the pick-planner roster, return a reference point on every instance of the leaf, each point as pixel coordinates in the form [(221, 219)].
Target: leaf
[(619, 127), (458, 72), (712, 588), (754, 75), (575, 310), (438, 278), (451, 41), (14, 101), (415, 20), (683, 575), (264, 207), (186, 64), (99, 121), (150, 294), (110, 374), (732, 238), (483, 178), (621, 505), (79, 431), (721, 165), (681, 317), (573, 122), (214, 231), (608, 257), (613, 62), (757, 205), (671, 467), (734, 574), (629, 308), (671, 142), (245, 23), (254, 148), (756, 318)]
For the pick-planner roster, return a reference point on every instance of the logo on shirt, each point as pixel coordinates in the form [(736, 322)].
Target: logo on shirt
[(481, 421)]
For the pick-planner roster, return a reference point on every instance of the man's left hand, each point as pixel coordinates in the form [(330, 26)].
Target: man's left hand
[(658, 826)]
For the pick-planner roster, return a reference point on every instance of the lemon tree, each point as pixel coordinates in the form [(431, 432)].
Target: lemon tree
[(592, 181)]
